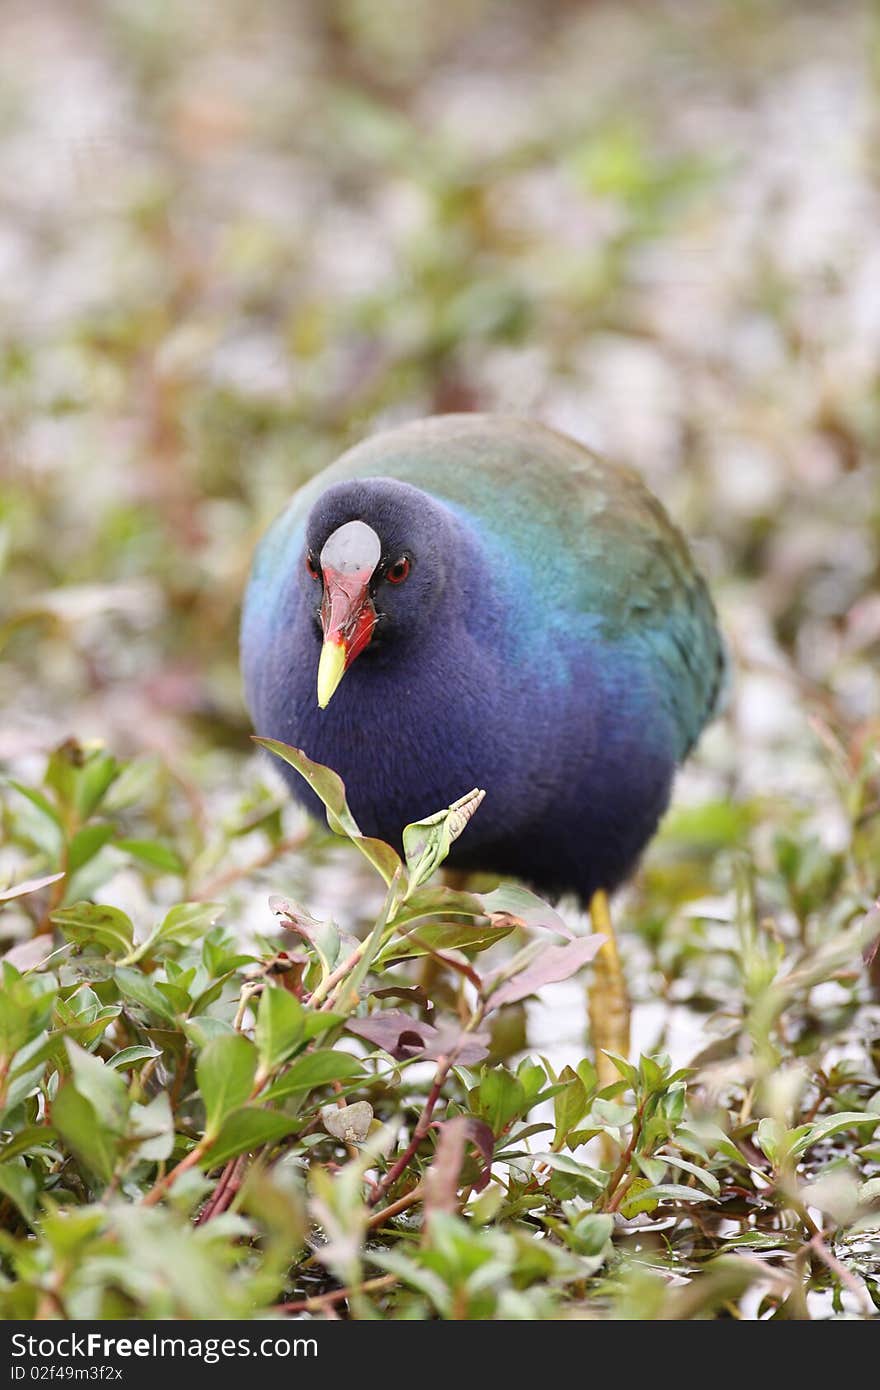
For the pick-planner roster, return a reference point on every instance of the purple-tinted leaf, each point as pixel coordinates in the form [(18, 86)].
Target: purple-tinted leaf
[(405, 1038), (27, 955), (28, 885), (437, 901), (482, 1137), (512, 900), (554, 963), (325, 937), (449, 1040), (443, 1178), (394, 1031), (415, 993)]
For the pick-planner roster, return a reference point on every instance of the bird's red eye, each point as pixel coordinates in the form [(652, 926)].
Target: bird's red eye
[(312, 566), (399, 570)]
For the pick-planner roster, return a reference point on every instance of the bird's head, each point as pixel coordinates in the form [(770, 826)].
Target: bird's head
[(375, 565)]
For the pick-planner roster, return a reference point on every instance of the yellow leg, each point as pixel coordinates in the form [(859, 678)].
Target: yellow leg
[(608, 1000)]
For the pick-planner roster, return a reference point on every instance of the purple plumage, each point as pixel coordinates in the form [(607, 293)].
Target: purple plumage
[(479, 601)]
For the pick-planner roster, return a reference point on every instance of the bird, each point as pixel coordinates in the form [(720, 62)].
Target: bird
[(476, 600)]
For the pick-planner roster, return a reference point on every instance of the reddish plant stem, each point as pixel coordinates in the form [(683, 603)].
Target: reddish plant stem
[(617, 1188), (159, 1188), (328, 985), (409, 1199), (423, 1124), (224, 1192)]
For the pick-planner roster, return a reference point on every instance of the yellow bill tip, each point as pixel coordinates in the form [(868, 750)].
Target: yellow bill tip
[(331, 669)]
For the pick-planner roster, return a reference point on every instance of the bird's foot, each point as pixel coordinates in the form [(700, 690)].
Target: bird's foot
[(608, 999)]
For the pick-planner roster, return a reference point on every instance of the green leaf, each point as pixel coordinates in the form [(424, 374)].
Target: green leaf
[(569, 1105), (26, 1004), (75, 1119), (315, 1069), (770, 1137), (126, 1058), (27, 1140), (870, 1191), (349, 992), (610, 1114), (329, 787), (184, 924), (80, 776), (152, 1126), (18, 1183), (221, 954), (317, 1022), (202, 1029), (85, 845), (828, 1125), (437, 900), (136, 988), (635, 1203), (577, 1179), (709, 1181), (501, 1099), (280, 1027), (96, 776), (188, 921), (672, 1192), (103, 1087), (324, 782), (41, 802), (154, 853), (591, 1233), (71, 1231), (225, 1074), (629, 1073), (247, 1129), (94, 924), (652, 1072), (443, 936), (426, 843)]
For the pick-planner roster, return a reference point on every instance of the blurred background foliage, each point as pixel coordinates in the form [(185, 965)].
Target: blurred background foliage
[(236, 237)]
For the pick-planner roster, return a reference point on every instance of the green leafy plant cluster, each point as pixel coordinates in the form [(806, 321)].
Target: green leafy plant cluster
[(195, 1127)]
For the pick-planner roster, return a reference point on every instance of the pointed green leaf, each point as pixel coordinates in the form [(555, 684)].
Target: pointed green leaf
[(94, 924), (225, 1074), (329, 787), (154, 853), (315, 1069), (247, 1129), (427, 843), (19, 1184), (101, 1085), (280, 1027), (137, 988), (75, 1119)]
